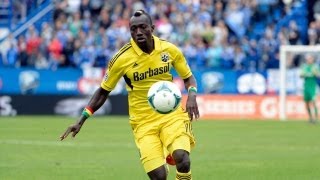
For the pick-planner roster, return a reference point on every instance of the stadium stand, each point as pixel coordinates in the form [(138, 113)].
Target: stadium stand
[(235, 34)]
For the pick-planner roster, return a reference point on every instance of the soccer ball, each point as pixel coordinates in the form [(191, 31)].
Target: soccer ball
[(164, 97)]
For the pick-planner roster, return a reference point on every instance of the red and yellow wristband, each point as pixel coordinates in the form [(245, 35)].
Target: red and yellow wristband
[(192, 89), (87, 112)]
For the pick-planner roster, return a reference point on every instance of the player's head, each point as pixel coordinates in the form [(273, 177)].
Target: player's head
[(309, 58), (141, 27)]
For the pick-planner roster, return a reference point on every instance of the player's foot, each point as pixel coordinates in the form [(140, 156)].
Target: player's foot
[(312, 121)]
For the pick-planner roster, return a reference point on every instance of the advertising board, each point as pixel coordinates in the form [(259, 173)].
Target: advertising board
[(254, 107)]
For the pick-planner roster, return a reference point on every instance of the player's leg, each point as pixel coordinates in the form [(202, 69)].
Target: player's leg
[(314, 106), (180, 149), (182, 160), (159, 173), (152, 157), (151, 151), (178, 138), (315, 111), (307, 99), (308, 107)]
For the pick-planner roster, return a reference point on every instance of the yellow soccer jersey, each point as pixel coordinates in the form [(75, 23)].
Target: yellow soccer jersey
[(140, 70)]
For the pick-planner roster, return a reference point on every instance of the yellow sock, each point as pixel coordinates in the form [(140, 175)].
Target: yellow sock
[(183, 176)]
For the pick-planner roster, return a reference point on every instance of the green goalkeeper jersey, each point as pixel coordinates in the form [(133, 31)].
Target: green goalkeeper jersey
[(310, 73)]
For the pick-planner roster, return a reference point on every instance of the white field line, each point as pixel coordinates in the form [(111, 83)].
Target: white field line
[(65, 143)]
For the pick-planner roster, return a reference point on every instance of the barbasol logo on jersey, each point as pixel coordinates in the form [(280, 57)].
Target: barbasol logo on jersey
[(151, 72)]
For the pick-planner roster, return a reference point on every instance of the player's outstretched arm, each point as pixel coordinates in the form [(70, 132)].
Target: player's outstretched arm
[(192, 106), (97, 100)]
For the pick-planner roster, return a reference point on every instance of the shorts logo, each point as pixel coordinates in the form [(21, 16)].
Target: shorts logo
[(164, 56)]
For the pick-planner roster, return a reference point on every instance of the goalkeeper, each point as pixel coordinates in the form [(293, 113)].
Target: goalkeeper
[(310, 73)]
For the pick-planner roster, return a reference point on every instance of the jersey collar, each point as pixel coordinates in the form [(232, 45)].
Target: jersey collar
[(157, 45)]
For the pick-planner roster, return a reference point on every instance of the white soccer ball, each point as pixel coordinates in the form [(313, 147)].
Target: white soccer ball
[(164, 97)]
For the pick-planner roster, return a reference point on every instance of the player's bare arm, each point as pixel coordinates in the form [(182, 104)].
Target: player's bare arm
[(97, 100), (192, 106)]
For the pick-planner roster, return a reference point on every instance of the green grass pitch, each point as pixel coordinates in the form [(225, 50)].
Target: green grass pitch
[(105, 149)]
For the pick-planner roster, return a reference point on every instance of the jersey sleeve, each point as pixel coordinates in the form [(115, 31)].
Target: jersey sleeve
[(113, 73), (180, 64)]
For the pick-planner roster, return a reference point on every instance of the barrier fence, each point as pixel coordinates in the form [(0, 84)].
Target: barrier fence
[(211, 107), (58, 105), (238, 107), (223, 94), (71, 81)]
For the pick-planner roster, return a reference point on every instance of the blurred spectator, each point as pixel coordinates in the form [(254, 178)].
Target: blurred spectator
[(207, 33), (46, 33), (95, 8), (312, 34), (73, 6), (227, 56), (22, 51), (6, 45), (60, 7), (41, 62), (218, 12), (31, 32), (55, 53), (84, 7), (19, 10), (12, 56), (67, 51), (251, 62), (104, 19), (75, 24), (294, 34), (164, 27), (137, 4), (239, 58), (316, 10), (194, 25), (33, 45), (235, 18), (190, 52), (213, 55), (86, 56), (268, 43), (220, 33), (117, 11)]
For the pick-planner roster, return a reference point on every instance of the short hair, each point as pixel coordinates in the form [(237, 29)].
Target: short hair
[(142, 12)]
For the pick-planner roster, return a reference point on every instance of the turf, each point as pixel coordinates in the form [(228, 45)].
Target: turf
[(105, 149)]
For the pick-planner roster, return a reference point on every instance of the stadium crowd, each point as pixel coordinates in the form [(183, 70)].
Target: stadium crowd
[(234, 34)]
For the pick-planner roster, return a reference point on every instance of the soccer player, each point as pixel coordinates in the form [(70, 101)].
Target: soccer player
[(143, 61), (310, 73)]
